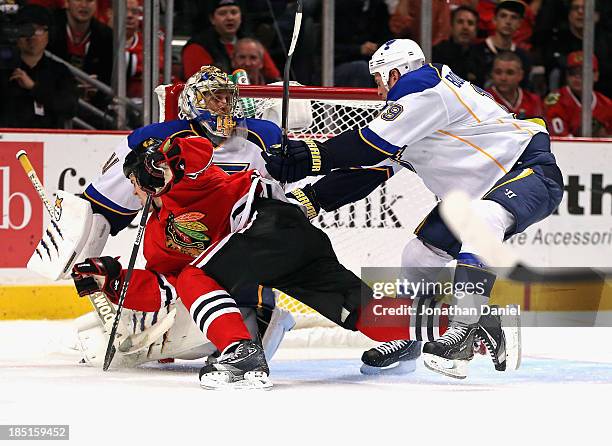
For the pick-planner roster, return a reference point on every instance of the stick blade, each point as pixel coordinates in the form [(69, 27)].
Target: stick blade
[(108, 358), (297, 24)]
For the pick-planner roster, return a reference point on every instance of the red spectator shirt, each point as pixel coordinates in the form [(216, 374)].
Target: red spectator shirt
[(527, 105), (78, 44), (195, 56), (563, 113), (135, 61)]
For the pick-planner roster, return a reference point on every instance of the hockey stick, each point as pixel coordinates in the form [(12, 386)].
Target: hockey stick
[(111, 349), (468, 227), (285, 105), (103, 306)]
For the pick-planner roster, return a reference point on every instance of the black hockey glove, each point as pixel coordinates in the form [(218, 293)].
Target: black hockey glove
[(98, 274), (307, 197), (301, 159)]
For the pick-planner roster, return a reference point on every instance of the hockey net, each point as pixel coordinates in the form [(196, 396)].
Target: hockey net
[(370, 233)]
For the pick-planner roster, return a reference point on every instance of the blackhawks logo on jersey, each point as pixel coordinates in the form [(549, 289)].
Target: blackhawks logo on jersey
[(187, 234), (552, 98)]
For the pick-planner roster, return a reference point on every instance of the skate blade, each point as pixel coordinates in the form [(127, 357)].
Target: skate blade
[(511, 325), (226, 381), (397, 368), (453, 368)]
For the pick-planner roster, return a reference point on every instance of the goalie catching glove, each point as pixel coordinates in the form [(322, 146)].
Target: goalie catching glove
[(98, 274), (156, 165), (302, 158)]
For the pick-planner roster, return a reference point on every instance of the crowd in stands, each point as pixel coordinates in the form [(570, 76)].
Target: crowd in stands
[(525, 53)]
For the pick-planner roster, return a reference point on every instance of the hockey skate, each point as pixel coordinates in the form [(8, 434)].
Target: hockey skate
[(241, 366), (451, 352), (396, 356), (502, 337), (449, 355)]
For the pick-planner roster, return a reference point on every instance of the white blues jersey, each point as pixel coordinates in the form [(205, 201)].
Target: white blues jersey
[(451, 132)]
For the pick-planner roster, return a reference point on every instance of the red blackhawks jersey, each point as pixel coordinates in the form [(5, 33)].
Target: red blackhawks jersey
[(563, 113), (201, 209), (527, 104), (205, 206)]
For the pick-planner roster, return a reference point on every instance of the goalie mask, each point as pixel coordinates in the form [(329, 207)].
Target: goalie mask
[(210, 97)]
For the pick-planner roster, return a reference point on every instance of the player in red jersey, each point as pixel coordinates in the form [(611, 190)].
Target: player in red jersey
[(250, 233), (563, 108), (506, 75), (176, 232)]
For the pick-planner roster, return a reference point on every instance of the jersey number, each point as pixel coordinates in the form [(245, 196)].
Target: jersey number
[(392, 112)]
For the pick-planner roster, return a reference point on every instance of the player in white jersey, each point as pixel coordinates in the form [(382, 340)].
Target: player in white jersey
[(454, 136)]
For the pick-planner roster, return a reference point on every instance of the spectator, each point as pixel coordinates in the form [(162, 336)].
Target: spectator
[(134, 48), (563, 108), (83, 41), (457, 52), (567, 40), (360, 28), (249, 55), (405, 23), (38, 93), (507, 19), (215, 46), (486, 25), (104, 12), (506, 76)]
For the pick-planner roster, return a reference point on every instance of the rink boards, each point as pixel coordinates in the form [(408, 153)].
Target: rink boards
[(579, 234)]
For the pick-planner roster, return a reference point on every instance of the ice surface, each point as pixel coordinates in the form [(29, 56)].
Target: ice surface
[(561, 395)]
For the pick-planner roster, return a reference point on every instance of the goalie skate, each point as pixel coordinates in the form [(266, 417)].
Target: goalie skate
[(397, 357), (451, 352), (242, 366)]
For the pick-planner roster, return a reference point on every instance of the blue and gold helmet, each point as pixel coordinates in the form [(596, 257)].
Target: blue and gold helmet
[(209, 97)]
